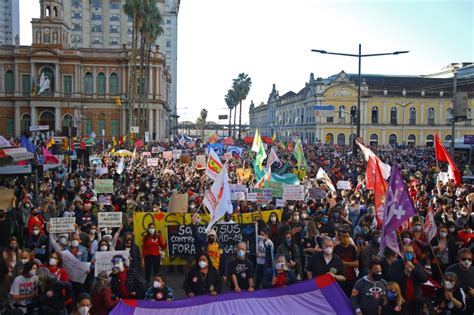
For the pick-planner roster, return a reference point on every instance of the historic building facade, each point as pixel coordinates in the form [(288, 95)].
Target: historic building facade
[(394, 110), (83, 84)]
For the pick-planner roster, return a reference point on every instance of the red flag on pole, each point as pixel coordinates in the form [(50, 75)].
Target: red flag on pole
[(380, 190), (443, 155)]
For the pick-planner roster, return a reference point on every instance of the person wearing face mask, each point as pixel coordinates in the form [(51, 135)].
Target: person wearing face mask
[(389, 256), (273, 229), (393, 302), (466, 234), (83, 305), (38, 243), (291, 251), (159, 291), (348, 253), (35, 219), (11, 254), (370, 251), (369, 291), (465, 274), (202, 278), (445, 251), (265, 249), (25, 288), (125, 282), (450, 299), (129, 245), (409, 274), (279, 275), (326, 262), (86, 216), (152, 242), (25, 257), (101, 295), (241, 270), (53, 294)]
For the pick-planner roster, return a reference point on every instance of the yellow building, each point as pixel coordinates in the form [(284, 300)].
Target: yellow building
[(394, 110)]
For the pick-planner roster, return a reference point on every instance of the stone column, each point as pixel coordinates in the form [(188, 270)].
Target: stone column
[(57, 118), (16, 80), (150, 123), (33, 116), (17, 121), (157, 125), (57, 77), (150, 83), (123, 120)]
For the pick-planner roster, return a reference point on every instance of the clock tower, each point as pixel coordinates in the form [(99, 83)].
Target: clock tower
[(50, 29)]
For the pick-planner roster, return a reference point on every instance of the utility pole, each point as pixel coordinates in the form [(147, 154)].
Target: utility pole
[(453, 116)]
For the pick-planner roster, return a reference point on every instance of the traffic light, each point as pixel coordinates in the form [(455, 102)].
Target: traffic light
[(118, 101)]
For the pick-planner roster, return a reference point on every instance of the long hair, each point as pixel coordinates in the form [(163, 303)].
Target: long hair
[(100, 283), (393, 286)]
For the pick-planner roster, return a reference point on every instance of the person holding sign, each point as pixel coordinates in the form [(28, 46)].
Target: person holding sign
[(125, 282), (151, 244), (203, 278)]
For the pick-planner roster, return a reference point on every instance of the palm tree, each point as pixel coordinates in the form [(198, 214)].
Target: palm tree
[(241, 87), (201, 122), (231, 102)]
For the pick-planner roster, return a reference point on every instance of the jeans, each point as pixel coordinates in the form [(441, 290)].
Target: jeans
[(152, 262), (259, 273)]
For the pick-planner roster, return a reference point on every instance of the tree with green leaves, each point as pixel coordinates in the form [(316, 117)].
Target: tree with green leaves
[(241, 86), (232, 102), (201, 122)]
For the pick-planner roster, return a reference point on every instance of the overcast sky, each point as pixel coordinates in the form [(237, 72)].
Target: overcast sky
[(271, 41)]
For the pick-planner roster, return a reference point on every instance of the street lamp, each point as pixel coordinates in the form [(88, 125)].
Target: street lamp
[(403, 118)]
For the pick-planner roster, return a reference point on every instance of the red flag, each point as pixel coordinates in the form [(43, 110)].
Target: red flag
[(430, 226), (370, 173), (443, 155), (380, 190), (121, 141), (49, 158), (139, 144)]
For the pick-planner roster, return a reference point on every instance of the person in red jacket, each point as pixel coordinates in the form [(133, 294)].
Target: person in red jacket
[(151, 244), (35, 218), (102, 301)]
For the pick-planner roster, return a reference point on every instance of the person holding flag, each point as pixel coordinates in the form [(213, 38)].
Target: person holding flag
[(445, 251)]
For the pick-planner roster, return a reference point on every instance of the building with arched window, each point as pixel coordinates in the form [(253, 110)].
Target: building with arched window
[(51, 84), (394, 109)]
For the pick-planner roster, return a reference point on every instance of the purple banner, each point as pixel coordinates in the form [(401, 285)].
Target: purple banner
[(469, 139), (319, 296)]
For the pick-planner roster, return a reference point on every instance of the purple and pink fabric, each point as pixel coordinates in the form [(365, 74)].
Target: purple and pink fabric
[(321, 295)]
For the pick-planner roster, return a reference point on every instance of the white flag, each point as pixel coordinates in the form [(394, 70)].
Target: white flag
[(384, 168), (430, 226), (256, 141), (321, 174), (44, 84), (272, 158), (217, 199), (120, 166)]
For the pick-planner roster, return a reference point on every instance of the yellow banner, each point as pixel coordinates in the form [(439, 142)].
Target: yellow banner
[(141, 220)]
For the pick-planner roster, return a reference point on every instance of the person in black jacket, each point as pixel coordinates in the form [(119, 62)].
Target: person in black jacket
[(133, 286), (203, 278), (409, 274), (135, 257), (52, 293), (450, 299), (445, 251)]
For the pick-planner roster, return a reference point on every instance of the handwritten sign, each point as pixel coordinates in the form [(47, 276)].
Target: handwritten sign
[(76, 269), (343, 184), (105, 200), (101, 171), (152, 162), (103, 260), (316, 193), (110, 219), (104, 186), (238, 192), (277, 188), (293, 192), (263, 195), (201, 162), (62, 225), (168, 155), (280, 203)]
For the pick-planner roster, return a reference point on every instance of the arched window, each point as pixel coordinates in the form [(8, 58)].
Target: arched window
[(9, 82), (375, 115), (412, 118), (392, 139), (67, 120), (48, 75), (55, 10), (113, 84), (374, 139), (449, 115), (353, 114), (411, 140), (341, 139), (342, 115), (25, 123), (88, 83), (329, 138), (47, 118), (431, 116), (101, 83), (429, 140), (48, 11), (393, 116)]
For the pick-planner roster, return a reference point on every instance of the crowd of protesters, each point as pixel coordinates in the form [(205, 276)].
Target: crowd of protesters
[(338, 235)]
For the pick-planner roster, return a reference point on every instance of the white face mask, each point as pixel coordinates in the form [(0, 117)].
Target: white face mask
[(63, 241), (273, 219), (53, 261), (151, 231), (156, 284), (119, 266), (192, 206), (33, 272), (449, 285), (24, 261), (202, 264), (291, 207), (328, 250), (279, 266), (103, 248), (75, 243), (84, 310), (36, 232)]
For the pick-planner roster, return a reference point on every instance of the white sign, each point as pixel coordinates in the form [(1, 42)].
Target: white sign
[(343, 184), (134, 129), (62, 225), (103, 260), (201, 162), (147, 136), (177, 154), (293, 192), (110, 219), (152, 162), (238, 192), (76, 269), (101, 171), (280, 203), (39, 128)]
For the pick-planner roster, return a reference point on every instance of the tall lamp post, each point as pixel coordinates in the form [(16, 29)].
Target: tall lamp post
[(403, 106)]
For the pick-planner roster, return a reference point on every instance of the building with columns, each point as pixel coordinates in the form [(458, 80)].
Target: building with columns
[(394, 110), (83, 84)]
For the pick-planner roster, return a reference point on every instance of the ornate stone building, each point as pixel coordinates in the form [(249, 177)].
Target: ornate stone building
[(83, 88)]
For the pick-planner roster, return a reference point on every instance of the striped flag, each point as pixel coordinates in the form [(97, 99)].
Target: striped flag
[(272, 158), (265, 178), (214, 165)]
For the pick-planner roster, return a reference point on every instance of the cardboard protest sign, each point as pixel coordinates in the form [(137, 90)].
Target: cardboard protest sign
[(343, 184), (238, 192), (105, 200), (280, 203), (62, 225), (76, 269), (168, 155), (276, 187), (293, 192), (109, 219), (178, 203), (152, 162), (146, 154), (316, 193), (101, 171), (201, 162), (155, 150), (263, 195), (177, 154), (6, 196), (103, 260), (104, 186)]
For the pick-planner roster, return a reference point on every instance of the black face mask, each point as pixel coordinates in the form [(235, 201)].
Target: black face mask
[(377, 276), (211, 239)]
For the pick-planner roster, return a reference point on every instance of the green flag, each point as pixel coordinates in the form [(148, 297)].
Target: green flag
[(299, 154), (261, 154)]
